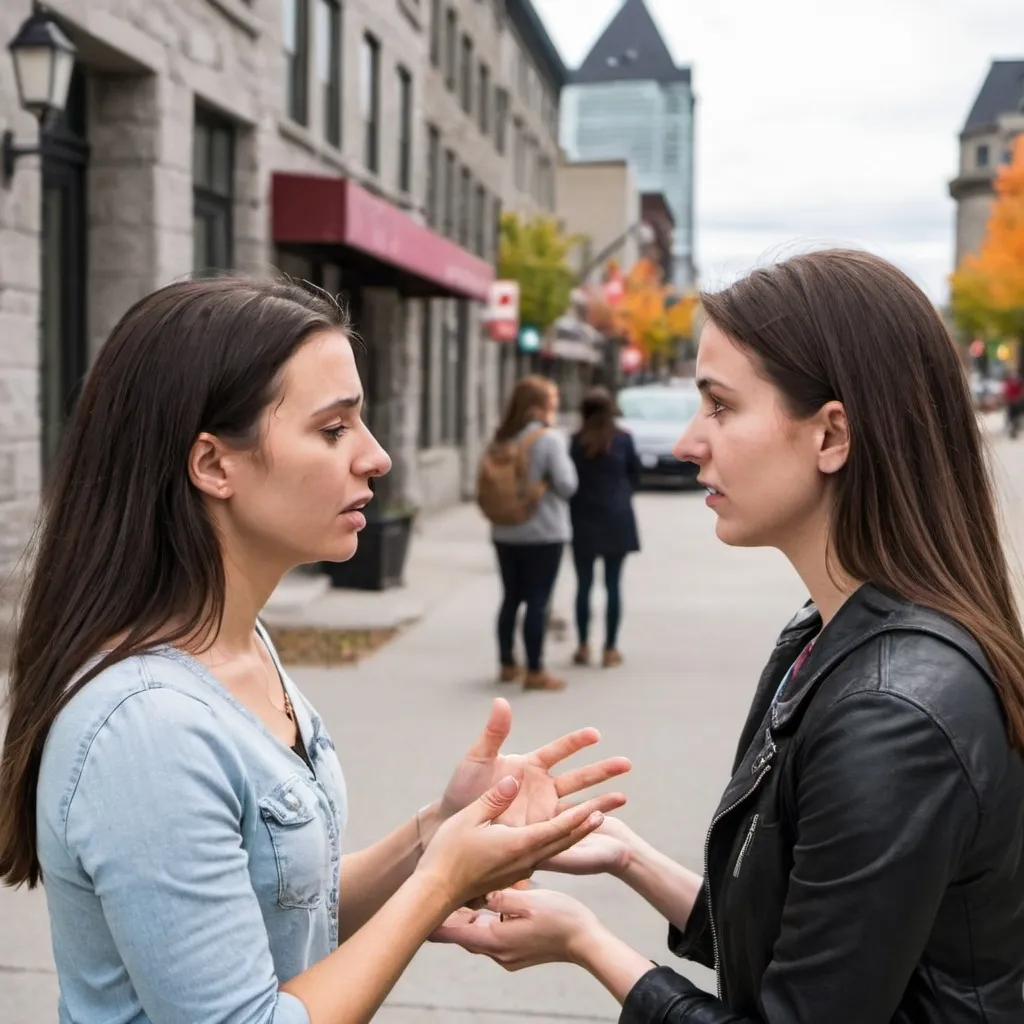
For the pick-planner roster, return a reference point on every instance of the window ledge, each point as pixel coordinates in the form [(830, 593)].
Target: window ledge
[(240, 14), (302, 136)]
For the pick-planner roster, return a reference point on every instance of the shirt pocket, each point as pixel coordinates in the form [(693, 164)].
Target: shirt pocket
[(299, 838)]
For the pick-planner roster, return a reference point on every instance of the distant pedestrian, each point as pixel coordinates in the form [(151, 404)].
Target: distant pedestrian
[(526, 480), (603, 521), (1013, 399)]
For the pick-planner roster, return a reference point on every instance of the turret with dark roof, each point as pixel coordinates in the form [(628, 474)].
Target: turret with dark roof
[(630, 49), (1002, 93)]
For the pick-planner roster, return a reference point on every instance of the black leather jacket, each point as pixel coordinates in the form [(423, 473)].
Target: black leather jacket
[(866, 863)]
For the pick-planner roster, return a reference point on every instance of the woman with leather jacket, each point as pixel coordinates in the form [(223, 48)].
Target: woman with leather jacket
[(866, 863)]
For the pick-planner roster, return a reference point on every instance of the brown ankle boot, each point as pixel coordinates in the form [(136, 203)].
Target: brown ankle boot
[(510, 674), (542, 681), (582, 655), (611, 659)]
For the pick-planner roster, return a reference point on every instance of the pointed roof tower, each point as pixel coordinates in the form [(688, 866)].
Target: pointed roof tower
[(630, 49)]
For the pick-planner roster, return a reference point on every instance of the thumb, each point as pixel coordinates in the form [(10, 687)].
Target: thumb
[(499, 725), (495, 801), (514, 902)]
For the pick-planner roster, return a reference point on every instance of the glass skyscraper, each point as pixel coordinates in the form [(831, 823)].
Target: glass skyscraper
[(630, 101)]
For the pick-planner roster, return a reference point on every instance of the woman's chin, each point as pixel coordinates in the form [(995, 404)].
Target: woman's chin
[(342, 550)]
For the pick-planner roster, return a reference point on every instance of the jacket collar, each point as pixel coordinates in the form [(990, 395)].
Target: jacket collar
[(868, 612)]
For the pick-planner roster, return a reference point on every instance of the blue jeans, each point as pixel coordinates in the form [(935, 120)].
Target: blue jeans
[(612, 584), (528, 574)]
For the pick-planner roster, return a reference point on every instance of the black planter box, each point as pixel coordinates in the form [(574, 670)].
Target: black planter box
[(379, 561)]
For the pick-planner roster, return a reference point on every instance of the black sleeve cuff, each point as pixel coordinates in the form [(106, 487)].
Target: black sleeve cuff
[(652, 998)]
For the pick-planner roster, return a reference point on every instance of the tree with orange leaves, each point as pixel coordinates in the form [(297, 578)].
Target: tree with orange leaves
[(649, 315), (988, 287)]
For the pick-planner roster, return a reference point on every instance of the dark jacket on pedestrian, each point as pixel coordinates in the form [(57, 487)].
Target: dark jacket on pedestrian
[(603, 522), (866, 864)]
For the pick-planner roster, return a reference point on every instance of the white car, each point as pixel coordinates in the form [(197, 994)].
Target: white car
[(656, 415)]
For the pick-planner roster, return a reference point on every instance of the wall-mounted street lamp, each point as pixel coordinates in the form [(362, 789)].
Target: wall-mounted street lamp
[(43, 59)]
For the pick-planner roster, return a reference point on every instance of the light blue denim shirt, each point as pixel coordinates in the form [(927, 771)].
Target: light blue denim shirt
[(190, 860)]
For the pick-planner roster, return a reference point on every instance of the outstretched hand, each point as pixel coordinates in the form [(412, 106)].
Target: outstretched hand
[(522, 928), (541, 794)]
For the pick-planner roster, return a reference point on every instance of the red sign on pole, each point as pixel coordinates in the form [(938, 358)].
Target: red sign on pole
[(502, 313)]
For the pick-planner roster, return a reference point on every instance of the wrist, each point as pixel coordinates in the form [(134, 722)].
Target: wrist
[(588, 945), (428, 820)]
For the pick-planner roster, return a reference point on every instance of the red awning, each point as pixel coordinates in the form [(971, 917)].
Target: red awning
[(310, 210)]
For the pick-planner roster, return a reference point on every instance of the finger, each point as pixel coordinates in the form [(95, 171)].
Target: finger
[(494, 802), (499, 725), (591, 775), (475, 938), (567, 841), (565, 746), (564, 824), (511, 902)]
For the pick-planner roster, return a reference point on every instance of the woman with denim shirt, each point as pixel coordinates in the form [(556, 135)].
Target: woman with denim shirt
[(178, 795)]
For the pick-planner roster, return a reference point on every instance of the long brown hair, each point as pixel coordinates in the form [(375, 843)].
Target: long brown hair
[(914, 509), (598, 411), (124, 543), (529, 397)]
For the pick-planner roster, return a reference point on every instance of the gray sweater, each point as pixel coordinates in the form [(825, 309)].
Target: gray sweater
[(550, 522)]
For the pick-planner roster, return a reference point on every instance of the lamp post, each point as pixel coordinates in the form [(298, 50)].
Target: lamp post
[(43, 59)]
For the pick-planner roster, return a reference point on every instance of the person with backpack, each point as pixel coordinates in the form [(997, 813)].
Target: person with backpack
[(603, 521), (524, 485)]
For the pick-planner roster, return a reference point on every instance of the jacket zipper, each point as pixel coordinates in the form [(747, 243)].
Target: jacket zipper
[(745, 847), (762, 763)]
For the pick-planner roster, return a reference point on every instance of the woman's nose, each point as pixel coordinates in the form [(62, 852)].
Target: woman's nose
[(373, 461), (689, 447)]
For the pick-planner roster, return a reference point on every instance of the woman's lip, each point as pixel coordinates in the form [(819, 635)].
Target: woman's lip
[(356, 519)]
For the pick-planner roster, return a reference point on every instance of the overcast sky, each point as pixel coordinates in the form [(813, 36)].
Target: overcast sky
[(820, 122)]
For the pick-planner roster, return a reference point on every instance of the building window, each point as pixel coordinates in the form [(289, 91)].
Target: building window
[(480, 221), (449, 194), (495, 230), (519, 153), (433, 155), (500, 120), (328, 66), (523, 76), (404, 130), (465, 209), (296, 53), (451, 43), (466, 75), (981, 156), (213, 192), (370, 98), (426, 375), (435, 33), (484, 98), (451, 384)]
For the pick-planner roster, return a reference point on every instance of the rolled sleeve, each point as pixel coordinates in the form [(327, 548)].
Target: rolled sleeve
[(156, 822)]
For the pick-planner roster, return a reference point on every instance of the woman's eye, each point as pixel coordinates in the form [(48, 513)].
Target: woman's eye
[(716, 408), (333, 433)]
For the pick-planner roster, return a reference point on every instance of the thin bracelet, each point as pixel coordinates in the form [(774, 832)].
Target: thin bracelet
[(419, 829)]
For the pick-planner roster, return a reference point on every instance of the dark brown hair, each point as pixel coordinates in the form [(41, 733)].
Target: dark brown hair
[(598, 410), (914, 509), (529, 397), (124, 545)]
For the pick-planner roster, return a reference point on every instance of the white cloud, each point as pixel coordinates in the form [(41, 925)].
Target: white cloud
[(823, 123)]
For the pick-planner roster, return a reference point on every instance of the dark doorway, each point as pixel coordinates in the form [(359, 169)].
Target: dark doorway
[(64, 349)]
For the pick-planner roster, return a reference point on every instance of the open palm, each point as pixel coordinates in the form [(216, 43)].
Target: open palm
[(540, 793)]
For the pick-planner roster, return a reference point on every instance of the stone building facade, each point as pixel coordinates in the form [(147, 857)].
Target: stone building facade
[(196, 136)]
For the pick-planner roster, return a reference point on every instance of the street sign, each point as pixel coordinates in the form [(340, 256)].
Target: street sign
[(502, 313), (631, 359)]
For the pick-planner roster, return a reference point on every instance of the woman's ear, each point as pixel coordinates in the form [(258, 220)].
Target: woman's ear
[(208, 467), (835, 438)]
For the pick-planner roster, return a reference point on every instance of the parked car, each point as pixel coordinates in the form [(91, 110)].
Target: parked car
[(656, 415)]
